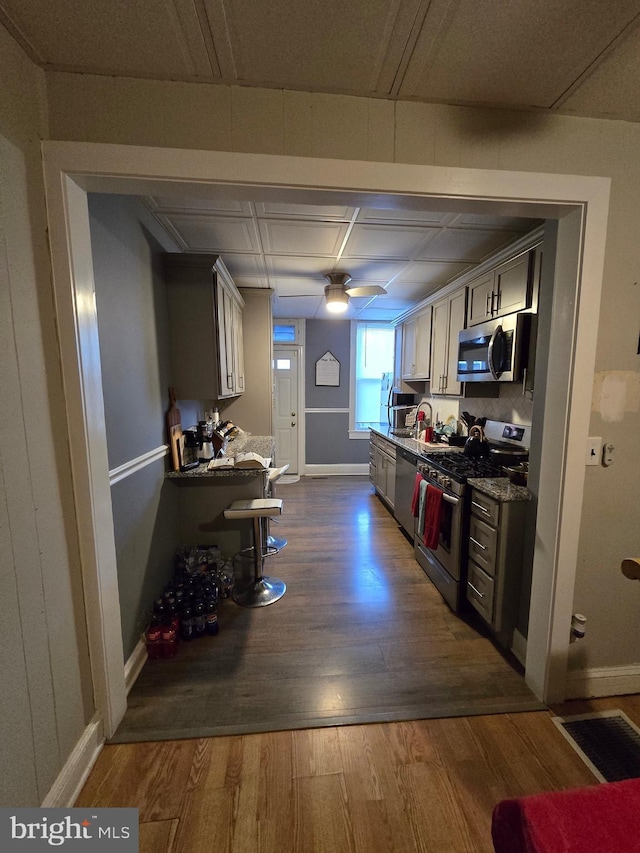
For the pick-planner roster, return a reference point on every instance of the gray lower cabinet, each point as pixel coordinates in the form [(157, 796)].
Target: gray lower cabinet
[(382, 468), (496, 537)]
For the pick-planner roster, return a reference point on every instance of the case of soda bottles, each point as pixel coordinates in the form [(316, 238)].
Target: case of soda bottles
[(188, 607)]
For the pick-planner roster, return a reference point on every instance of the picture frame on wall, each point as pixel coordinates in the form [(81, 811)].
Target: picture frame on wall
[(328, 370)]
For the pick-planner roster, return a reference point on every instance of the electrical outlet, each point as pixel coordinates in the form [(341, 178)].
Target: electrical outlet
[(594, 451)]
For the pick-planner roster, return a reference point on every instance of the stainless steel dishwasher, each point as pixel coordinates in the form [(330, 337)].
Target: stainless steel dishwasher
[(406, 469)]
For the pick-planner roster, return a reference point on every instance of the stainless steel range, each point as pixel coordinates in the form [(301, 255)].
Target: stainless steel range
[(446, 564)]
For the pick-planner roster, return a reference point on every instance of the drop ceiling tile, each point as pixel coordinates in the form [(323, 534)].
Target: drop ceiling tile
[(466, 245), (167, 204), (304, 211), (297, 287), (382, 215), (431, 272), (328, 46), (95, 37), (386, 241), (506, 223), (290, 237), (294, 308), (372, 270), (256, 281), (215, 234), (409, 291), (611, 90), (243, 264), (511, 52), (292, 265)]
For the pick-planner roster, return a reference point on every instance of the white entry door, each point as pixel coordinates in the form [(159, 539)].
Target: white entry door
[(286, 420)]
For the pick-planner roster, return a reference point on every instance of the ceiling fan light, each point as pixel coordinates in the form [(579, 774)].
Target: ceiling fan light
[(336, 298)]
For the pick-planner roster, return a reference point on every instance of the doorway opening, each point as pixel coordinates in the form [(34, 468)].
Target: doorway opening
[(580, 205)]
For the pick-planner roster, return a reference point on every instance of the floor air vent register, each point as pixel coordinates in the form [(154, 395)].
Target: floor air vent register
[(608, 742)]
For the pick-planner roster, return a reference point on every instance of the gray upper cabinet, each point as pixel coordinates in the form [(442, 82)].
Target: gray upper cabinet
[(205, 327), (448, 319), (503, 290), (416, 346)]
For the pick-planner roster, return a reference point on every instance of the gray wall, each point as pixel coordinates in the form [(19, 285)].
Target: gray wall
[(327, 434), (253, 410), (133, 330)]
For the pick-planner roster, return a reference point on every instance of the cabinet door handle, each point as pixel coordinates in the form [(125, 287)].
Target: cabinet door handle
[(475, 542), (485, 511), (477, 591), (487, 310)]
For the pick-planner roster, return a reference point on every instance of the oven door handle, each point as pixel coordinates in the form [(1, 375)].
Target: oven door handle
[(450, 500)]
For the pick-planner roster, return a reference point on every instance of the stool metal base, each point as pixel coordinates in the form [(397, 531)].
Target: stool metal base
[(260, 592), (274, 545)]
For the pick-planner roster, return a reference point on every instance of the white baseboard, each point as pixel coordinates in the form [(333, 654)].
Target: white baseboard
[(605, 681), (336, 470), (64, 791), (133, 666), (519, 646)]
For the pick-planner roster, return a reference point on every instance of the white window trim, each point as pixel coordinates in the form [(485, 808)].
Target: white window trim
[(355, 433)]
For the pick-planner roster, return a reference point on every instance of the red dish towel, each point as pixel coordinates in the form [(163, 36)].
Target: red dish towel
[(598, 819), (415, 500), (432, 516)]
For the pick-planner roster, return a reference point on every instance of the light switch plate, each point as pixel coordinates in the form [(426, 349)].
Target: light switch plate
[(594, 451)]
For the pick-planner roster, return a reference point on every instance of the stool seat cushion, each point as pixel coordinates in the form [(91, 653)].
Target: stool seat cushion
[(274, 474), (256, 508)]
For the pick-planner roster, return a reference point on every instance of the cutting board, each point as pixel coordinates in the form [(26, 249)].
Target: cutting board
[(174, 431)]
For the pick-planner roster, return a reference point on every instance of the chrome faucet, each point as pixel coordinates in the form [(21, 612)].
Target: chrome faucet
[(425, 403)]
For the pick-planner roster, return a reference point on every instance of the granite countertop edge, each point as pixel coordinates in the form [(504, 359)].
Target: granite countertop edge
[(264, 445), (500, 488), (411, 444)]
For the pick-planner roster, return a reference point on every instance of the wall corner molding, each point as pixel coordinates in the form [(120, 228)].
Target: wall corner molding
[(133, 666), (68, 784)]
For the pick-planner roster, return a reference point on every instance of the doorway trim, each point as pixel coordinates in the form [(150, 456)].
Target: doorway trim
[(72, 169)]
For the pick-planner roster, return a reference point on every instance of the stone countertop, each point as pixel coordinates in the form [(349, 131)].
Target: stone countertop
[(263, 445), (410, 444), (500, 488)]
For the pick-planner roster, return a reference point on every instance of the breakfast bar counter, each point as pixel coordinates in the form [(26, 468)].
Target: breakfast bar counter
[(203, 495)]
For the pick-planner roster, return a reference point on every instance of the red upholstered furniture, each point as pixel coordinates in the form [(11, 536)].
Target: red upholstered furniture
[(600, 819)]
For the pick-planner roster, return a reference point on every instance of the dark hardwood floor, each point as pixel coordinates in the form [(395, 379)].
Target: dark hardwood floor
[(360, 636)]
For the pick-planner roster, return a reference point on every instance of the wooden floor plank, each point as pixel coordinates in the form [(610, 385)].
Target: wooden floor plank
[(425, 784), (361, 635)]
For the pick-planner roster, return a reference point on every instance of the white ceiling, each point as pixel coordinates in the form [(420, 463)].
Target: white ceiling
[(289, 247), (573, 56), (579, 57)]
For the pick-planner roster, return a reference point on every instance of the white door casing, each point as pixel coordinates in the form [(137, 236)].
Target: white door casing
[(72, 168), (286, 418)]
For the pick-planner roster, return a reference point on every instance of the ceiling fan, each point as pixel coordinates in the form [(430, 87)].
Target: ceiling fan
[(336, 292)]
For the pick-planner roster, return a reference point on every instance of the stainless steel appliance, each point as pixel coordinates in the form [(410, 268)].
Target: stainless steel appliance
[(496, 351), (406, 468), (446, 565), (394, 403)]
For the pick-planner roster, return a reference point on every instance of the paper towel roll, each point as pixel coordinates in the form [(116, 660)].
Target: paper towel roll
[(631, 568)]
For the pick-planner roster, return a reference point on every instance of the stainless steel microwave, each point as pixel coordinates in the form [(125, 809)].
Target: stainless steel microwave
[(496, 351)]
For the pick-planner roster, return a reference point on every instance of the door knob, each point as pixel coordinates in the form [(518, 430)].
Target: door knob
[(293, 414), (293, 423)]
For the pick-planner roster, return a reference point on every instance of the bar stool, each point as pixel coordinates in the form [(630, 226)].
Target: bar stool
[(262, 590), (273, 544)]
